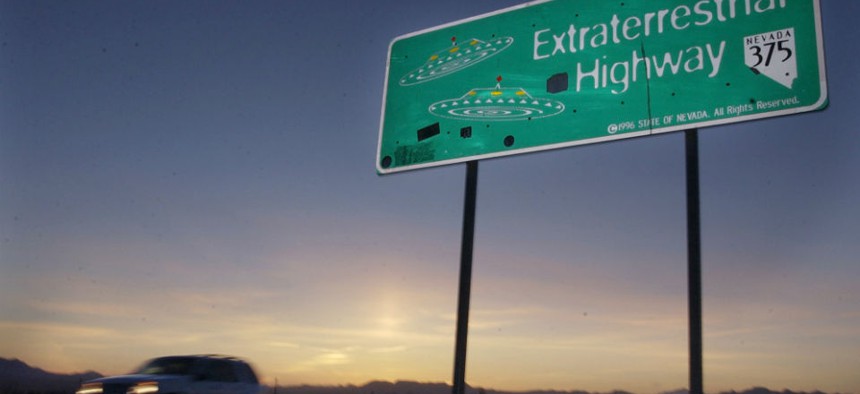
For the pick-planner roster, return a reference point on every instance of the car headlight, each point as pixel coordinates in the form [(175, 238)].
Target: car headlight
[(90, 388), (143, 388)]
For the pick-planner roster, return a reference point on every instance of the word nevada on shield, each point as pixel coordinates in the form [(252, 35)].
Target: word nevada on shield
[(773, 54)]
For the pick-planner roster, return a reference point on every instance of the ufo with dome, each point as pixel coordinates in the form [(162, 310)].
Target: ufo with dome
[(456, 58), (496, 104)]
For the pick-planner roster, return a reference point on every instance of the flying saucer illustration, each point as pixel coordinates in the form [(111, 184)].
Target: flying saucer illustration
[(496, 104), (456, 58)]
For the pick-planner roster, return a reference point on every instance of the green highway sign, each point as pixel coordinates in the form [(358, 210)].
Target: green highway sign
[(552, 74)]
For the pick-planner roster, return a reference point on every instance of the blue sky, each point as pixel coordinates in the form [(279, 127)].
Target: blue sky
[(198, 177)]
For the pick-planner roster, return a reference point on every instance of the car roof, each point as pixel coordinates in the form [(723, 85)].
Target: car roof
[(206, 356)]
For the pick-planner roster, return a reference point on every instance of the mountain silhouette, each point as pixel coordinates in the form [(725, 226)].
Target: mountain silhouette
[(16, 377)]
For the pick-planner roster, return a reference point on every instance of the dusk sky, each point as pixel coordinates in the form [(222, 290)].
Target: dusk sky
[(185, 177)]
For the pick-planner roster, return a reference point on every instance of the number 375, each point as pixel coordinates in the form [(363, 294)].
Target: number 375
[(770, 48)]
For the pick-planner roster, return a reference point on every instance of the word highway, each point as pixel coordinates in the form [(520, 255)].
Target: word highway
[(619, 74)]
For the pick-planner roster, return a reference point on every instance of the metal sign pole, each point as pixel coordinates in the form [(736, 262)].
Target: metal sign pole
[(467, 245), (694, 261)]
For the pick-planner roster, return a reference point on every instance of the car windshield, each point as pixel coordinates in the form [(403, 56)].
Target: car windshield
[(167, 366)]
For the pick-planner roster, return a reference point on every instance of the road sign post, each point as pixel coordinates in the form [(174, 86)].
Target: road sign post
[(694, 263), (465, 288), (551, 74)]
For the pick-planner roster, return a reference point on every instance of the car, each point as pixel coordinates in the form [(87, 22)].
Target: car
[(193, 374)]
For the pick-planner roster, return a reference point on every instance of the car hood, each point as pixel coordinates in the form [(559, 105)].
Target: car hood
[(135, 378)]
